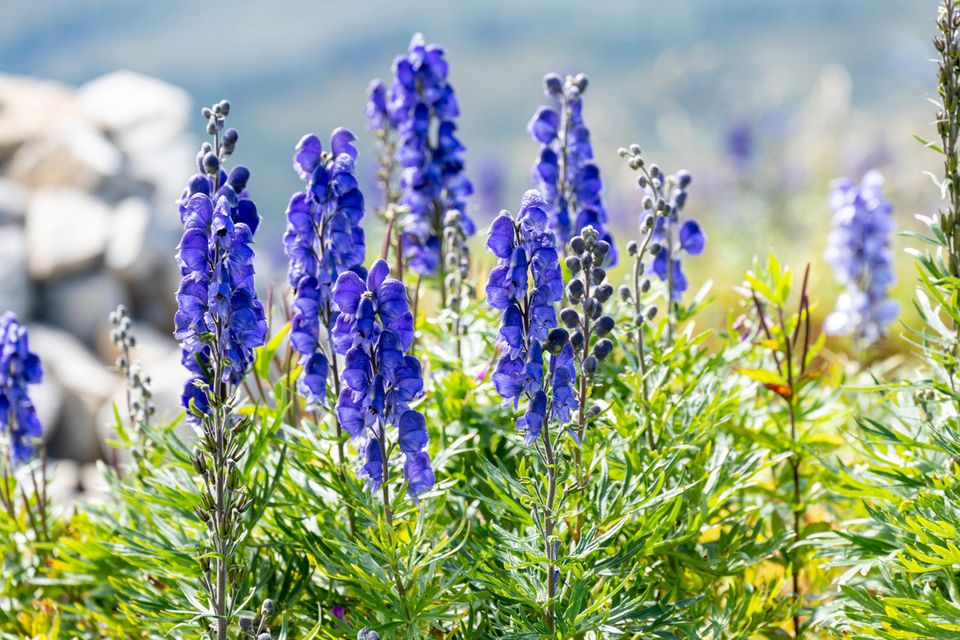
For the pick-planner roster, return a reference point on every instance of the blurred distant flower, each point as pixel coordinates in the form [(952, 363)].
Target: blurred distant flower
[(19, 367), (565, 172), (373, 332), (323, 239), (739, 144), (490, 184), (422, 107), (859, 252)]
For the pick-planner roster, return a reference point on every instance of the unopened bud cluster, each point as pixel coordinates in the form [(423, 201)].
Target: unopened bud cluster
[(139, 396), (947, 44), (588, 292), (211, 156), (456, 256)]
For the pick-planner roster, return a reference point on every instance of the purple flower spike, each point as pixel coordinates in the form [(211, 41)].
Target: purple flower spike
[(323, 240), (374, 330), (526, 285), (574, 199), (421, 100), (859, 252), (19, 367)]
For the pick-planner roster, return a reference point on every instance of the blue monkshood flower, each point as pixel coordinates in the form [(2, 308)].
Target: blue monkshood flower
[(323, 239), (373, 332), (676, 238), (859, 251), (574, 198), (218, 314), (19, 367), (421, 106), (233, 187), (525, 286)]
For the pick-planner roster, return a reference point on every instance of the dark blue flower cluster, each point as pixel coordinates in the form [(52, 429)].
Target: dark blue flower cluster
[(323, 239), (526, 251), (212, 180), (373, 331), (672, 236), (19, 367), (565, 172), (859, 251), (422, 107), (219, 317)]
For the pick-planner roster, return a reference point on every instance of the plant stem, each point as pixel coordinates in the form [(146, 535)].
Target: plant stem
[(549, 522)]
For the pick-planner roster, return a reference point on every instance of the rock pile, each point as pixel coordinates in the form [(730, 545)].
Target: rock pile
[(88, 177)]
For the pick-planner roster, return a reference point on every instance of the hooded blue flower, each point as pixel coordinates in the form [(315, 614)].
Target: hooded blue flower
[(421, 106), (19, 367), (373, 331), (675, 237), (526, 285), (574, 198), (859, 252), (323, 239), (218, 312)]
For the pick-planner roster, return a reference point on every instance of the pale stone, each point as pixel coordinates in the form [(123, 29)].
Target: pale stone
[(16, 293), (27, 108), (81, 303), (73, 153), (67, 231)]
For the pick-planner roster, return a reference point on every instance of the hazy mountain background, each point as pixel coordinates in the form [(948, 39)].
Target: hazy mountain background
[(818, 87)]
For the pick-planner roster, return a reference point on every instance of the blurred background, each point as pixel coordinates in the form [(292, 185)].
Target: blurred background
[(764, 101)]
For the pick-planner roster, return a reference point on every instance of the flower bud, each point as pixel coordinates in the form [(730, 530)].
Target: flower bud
[(651, 313), (557, 339), (600, 251), (603, 348), (599, 274), (570, 317), (230, 137), (632, 247), (211, 163), (573, 263), (604, 292), (590, 365), (625, 294), (575, 288), (577, 341), (552, 84), (604, 325), (224, 107), (577, 245), (267, 607)]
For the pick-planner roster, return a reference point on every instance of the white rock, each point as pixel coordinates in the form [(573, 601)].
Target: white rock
[(86, 384), (80, 303), (64, 477), (131, 105), (130, 255), (70, 153), (27, 108), (47, 397), (92, 483), (13, 202), (67, 231), (16, 293)]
